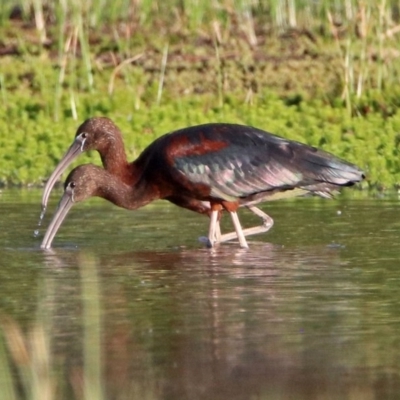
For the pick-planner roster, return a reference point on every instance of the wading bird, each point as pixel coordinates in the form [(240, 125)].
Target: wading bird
[(207, 168), (102, 135)]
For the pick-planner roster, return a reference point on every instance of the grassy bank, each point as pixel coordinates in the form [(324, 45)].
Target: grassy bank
[(327, 76)]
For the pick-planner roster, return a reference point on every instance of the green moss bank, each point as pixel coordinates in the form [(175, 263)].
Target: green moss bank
[(31, 147)]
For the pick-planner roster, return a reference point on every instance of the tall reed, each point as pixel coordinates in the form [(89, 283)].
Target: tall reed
[(366, 34)]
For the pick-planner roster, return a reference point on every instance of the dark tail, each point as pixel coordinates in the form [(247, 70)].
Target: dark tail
[(336, 170), (323, 172)]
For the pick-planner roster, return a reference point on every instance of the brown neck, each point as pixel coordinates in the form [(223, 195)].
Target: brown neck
[(124, 195), (113, 157)]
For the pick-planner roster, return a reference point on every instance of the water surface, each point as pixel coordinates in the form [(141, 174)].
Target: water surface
[(131, 305)]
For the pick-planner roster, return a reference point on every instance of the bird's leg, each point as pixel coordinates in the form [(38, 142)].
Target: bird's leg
[(214, 229), (215, 236), (238, 229), (217, 232), (201, 207), (268, 222)]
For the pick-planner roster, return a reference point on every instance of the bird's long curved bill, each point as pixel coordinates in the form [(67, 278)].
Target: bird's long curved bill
[(65, 204), (73, 152)]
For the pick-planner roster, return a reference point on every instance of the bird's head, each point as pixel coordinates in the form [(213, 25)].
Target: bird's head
[(95, 133), (82, 183)]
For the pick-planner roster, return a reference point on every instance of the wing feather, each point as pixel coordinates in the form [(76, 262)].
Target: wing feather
[(251, 161)]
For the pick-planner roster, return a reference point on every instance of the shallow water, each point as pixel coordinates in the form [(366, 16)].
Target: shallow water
[(130, 305)]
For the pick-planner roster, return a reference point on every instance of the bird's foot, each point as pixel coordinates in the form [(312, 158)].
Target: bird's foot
[(215, 237), (207, 242), (267, 224), (265, 227)]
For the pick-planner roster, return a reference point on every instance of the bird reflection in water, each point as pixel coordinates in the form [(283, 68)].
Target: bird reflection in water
[(239, 324)]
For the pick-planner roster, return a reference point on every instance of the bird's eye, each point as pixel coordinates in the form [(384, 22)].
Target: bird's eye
[(84, 135), (72, 185)]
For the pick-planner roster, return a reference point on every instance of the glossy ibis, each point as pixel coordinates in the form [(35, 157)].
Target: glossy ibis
[(206, 168), (101, 134)]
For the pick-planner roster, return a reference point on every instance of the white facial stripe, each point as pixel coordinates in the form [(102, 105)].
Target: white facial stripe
[(82, 139), (71, 192), (83, 143)]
